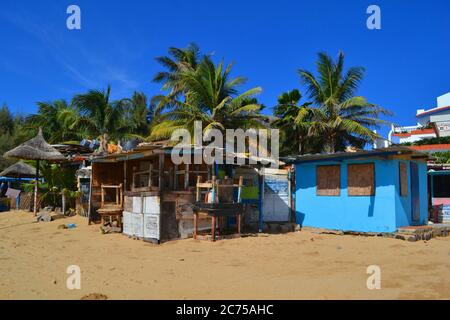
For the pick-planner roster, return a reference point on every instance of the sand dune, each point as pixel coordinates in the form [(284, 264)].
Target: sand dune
[(300, 265)]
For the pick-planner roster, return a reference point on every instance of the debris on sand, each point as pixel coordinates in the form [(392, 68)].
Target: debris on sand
[(94, 296)]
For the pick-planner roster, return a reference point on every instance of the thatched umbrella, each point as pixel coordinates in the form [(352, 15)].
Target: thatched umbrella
[(19, 170), (35, 149)]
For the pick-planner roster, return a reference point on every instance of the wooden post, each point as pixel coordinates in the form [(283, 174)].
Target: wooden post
[(63, 202), (103, 195), (161, 172), (186, 177), (133, 182), (125, 174), (150, 169), (213, 193), (198, 195), (239, 224), (175, 177), (213, 228), (90, 194), (195, 224), (121, 195), (36, 187)]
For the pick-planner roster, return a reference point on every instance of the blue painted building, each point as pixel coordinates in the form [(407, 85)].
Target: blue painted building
[(369, 191)]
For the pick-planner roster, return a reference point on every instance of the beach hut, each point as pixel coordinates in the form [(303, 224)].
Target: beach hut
[(36, 149), (376, 190), (14, 176), (158, 196)]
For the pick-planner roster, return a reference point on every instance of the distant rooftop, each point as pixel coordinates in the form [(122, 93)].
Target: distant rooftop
[(443, 103)]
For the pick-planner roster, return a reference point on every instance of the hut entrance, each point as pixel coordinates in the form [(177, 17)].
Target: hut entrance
[(415, 197)]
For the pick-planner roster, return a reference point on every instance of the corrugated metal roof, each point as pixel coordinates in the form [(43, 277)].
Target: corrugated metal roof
[(396, 150)]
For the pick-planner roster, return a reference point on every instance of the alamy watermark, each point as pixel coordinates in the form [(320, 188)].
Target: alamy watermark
[(74, 279), (374, 280), (374, 20), (239, 145), (73, 21)]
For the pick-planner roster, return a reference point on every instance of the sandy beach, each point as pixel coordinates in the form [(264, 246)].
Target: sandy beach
[(300, 265)]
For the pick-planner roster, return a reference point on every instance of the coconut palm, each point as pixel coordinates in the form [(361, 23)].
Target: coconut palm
[(341, 118), (212, 98), (55, 118), (138, 114), (292, 120), (178, 61), (100, 117)]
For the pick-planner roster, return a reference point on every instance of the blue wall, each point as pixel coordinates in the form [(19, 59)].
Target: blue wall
[(383, 212), (403, 204)]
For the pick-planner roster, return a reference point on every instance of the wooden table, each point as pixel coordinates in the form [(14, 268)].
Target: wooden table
[(218, 211)]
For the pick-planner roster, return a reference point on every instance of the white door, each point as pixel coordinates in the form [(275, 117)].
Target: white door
[(276, 206)]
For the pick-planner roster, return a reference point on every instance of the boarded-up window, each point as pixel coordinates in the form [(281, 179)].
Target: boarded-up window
[(361, 179), (328, 180), (403, 180)]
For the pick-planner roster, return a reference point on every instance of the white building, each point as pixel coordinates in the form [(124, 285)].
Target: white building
[(431, 123)]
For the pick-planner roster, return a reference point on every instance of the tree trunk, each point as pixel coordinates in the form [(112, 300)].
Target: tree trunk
[(104, 143), (300, 145), (36, 186), (63, 202), (329, 146)]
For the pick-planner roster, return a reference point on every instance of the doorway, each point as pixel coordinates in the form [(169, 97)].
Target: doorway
[(415, 197)]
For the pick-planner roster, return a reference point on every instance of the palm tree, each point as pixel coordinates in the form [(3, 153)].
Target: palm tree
[(292, 120), (210, 97), (138, 114), (101, 118), (178, 61), (6, 121), (55, 118), (340, 117)]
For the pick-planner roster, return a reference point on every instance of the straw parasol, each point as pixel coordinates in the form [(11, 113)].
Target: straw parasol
[(35, 149), (19, 170)]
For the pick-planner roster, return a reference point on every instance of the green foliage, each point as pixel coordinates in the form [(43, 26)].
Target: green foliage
[(209, 95), (138, 115), (57, 179), (421, 142), (6, 121), (100, 117), (177, 62), (442, 157), (12, 133), (56, 120), (197, 89), (294, 133), (340, 118)]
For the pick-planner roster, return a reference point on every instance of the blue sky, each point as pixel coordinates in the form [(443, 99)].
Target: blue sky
[(407, 62)]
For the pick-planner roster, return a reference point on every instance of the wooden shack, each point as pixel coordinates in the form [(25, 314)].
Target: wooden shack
[(158, 195)]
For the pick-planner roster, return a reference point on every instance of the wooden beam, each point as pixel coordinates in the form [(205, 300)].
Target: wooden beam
[(186, 177), (199, 180), (150, 166), (175, 178), (161, 172)]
